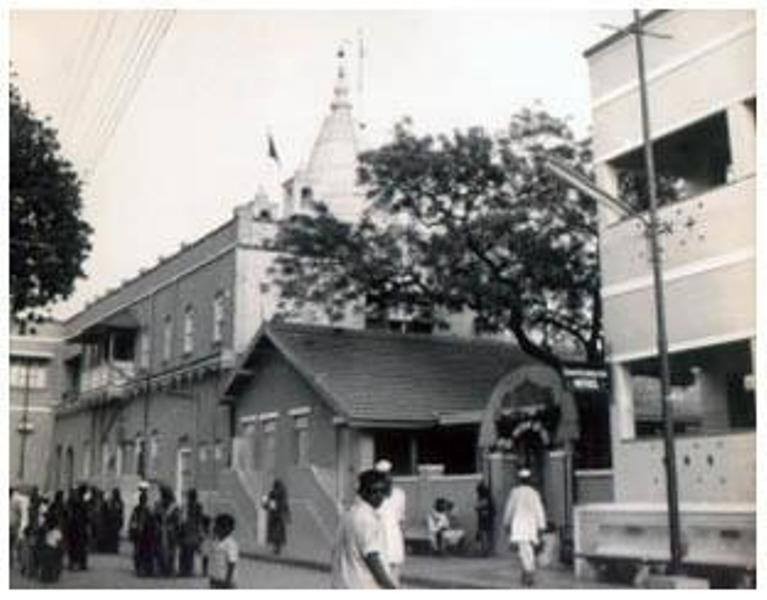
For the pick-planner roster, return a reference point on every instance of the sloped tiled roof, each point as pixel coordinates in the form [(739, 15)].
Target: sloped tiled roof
[(382, 376)]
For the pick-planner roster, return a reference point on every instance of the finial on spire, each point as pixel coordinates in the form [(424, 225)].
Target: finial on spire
[(341, 89)]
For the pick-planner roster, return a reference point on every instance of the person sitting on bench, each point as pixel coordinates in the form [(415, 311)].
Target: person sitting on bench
[(443, 536)]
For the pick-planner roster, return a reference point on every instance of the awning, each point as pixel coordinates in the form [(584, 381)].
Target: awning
[(123, 319)]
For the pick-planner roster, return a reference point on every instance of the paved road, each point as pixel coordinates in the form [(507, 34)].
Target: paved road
[(115, 571)]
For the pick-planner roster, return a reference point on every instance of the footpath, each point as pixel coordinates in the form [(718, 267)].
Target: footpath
[(455, 572)]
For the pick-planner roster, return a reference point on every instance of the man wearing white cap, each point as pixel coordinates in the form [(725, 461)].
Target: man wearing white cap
[(523, 519), (392, 513)]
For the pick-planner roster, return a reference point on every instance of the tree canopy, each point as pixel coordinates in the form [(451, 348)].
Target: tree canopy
[(463, 221), (48, 238)]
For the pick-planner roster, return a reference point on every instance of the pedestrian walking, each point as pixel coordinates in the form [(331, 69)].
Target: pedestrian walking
[(115, 518), (278, 515), (485, 509), (76, 529), (357, 560), (524, 518), (167, 519), (190, 534), (141, 534), (392, 511), (224, 554)]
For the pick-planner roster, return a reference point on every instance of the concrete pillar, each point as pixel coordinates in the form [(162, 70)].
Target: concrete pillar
[(741, 123), (712, 388), (622, 423), (366, 450)]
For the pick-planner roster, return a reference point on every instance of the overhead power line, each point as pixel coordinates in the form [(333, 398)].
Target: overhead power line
[(144, 61), (93, 71), (81, 59), (118, 83)]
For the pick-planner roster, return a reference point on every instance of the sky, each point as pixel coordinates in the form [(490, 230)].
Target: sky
[(169, 162)]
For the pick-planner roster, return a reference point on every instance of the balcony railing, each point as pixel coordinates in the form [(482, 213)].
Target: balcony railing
[(700, 229), (107, 376)]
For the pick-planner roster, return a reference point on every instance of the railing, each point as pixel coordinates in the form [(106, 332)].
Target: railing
[(695, 233), (107, 375)]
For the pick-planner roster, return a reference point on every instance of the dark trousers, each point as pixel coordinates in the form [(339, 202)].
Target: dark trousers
[(166, 561), (50, 563), (186, 560), (143, 558)]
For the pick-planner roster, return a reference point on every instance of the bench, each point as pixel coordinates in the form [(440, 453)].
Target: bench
[(417, 541)]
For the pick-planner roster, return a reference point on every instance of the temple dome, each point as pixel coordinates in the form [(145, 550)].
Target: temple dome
[(331, 172)]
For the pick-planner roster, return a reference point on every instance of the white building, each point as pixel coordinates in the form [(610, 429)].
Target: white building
[(702, 91)]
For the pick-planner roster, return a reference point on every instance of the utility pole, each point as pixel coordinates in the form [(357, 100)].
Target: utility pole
[(660, 312), (23, 427), (585, 186)]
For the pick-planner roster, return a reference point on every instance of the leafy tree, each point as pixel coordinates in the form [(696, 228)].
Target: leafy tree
[(463, 221), (48, 238)]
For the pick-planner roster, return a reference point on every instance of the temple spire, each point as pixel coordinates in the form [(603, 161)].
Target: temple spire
[(341, 89)]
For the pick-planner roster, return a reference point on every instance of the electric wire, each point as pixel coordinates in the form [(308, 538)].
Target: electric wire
[(92, 74), (118, 81), (80, 62), (141, 72)]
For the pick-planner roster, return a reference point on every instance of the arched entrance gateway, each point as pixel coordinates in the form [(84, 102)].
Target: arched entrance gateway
[(531, 421)]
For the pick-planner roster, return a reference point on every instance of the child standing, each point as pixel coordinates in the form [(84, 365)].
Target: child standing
[(224, 554)]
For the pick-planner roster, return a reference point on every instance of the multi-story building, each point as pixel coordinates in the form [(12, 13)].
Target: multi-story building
[(143, 363), (35, 379), (702, 103)]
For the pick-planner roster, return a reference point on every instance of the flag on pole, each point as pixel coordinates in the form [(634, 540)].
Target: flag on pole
[(272, 152)]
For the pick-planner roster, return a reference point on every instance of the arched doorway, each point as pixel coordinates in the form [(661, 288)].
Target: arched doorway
[(529, 411), (531, 421)]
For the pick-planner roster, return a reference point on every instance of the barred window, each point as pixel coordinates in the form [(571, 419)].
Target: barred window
[(218, 317), (167, 338), (188, 329)]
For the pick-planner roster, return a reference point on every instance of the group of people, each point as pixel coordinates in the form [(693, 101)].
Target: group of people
[(166, 537), (369, 549), (43, 530)]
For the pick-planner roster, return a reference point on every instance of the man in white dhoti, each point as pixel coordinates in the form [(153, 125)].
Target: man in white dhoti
[(524, 519)]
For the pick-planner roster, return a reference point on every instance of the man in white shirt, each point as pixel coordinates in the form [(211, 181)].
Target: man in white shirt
[(357, 560), (392, 511), (524, 518)]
